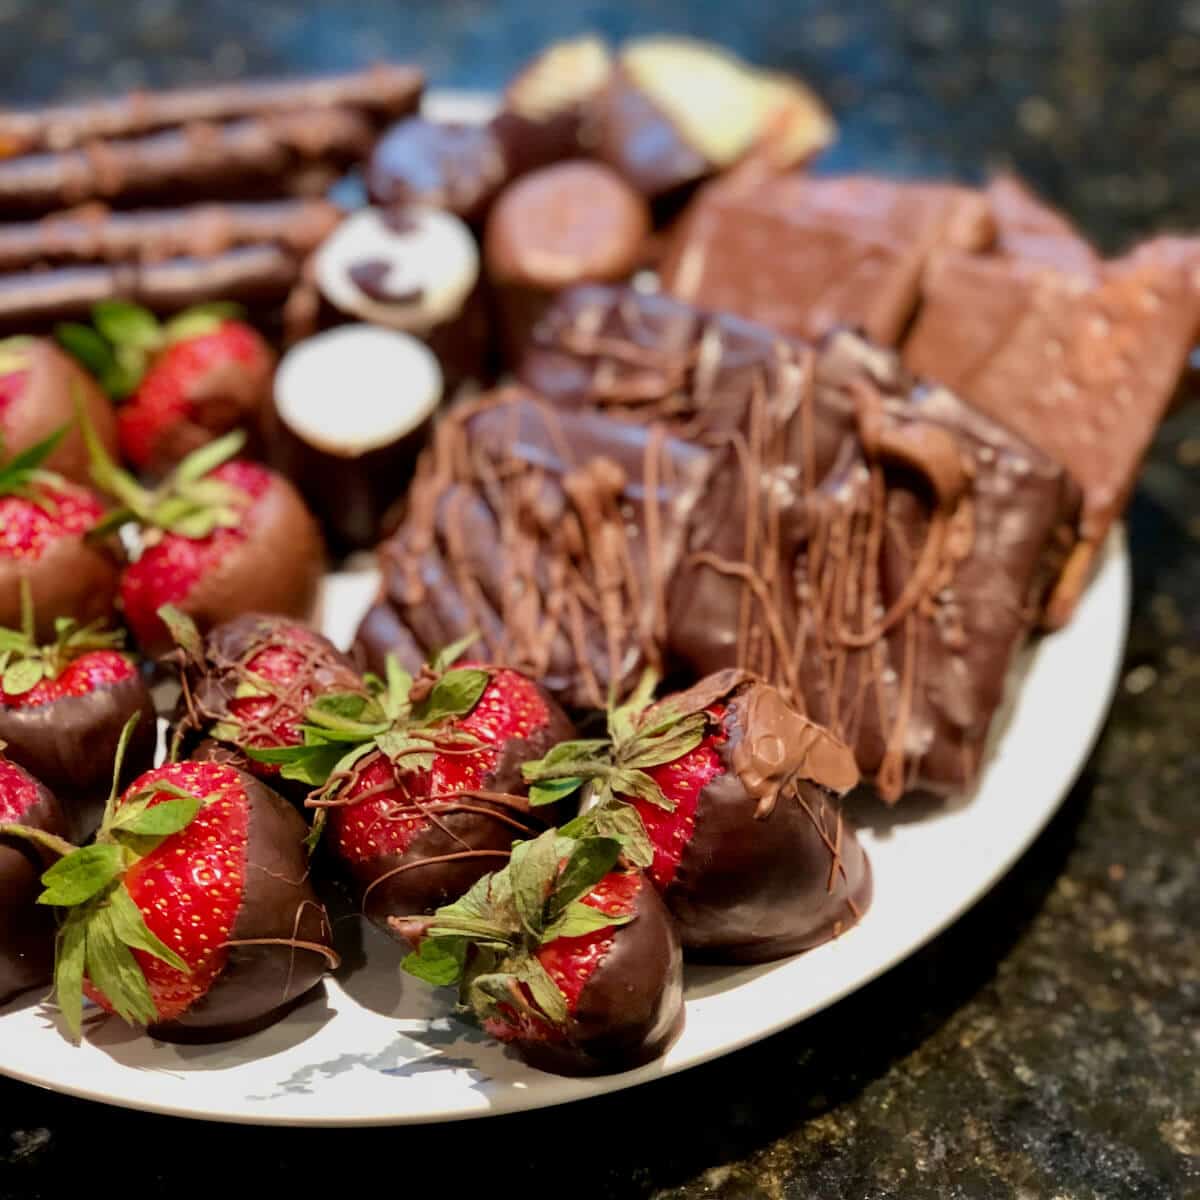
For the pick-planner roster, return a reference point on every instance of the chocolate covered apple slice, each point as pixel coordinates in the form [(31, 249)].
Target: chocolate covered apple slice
[(728, 798), (566, 956), (352, 409), (63, 706), (26, 929)]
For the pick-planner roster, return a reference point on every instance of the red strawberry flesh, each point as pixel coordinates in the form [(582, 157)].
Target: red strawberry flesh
[(169, 569), (83, 675), (28, 527), (571, 962), (168, 391), (390, 815), (18, 792), (190, 887)]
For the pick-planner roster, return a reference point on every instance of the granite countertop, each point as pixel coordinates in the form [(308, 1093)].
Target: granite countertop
[(1047, 1045)]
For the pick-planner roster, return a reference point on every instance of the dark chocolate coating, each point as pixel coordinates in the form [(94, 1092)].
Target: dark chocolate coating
[(426, 880), (348, 494), (26, 927), (54, 386), (95, 235), (637, 139), (631, 1008), (276, 568), (382, 92), (259, 983), (381, 633), (553, 534), (70, 578), (753, 886), (256, 276), (248, 157), (211, 685), (448, 165), (70, 745)]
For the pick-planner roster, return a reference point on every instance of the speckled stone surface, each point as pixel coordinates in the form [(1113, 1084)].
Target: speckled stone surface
[(1048, 1045)]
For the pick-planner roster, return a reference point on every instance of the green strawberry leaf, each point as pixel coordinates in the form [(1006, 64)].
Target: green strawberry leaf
[(438, 960), (200, 462), (622, 717), (681, 738), (70, 955), (87, 347), (161, 820), (567, 759), (637, 783), (532, 871), (81, 875), (125, 324), (578, 919), (110, 805), (399, 684), (23, 675), (32, 457), (454, 695), (545, 992), (554, 790), (316, 831), (130, 926), (411, 752), (446, 657), (183, 629), (588, 863), (115, 972), (201, 319)]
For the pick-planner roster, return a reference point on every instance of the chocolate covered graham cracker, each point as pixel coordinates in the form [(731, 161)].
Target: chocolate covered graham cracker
[(882, 563), (805, 255), (1085, 368), (554, 535)]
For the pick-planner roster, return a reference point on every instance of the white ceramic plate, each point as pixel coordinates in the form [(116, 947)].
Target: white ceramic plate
[(378, 1047)]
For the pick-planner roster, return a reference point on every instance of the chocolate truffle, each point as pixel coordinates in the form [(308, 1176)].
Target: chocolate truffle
[(351, 449), (443, 164), (26, 927), (575, 222), (415, 270)]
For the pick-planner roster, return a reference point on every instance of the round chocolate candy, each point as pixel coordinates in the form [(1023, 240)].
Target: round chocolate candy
[(350, 450), (575, 222)]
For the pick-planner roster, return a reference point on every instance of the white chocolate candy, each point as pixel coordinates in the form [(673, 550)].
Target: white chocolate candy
[(357, 388), (429, 262)]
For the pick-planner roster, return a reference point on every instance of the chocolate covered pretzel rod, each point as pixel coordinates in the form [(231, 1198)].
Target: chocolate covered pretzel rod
[(250, 275), (257, 156), (94, 235), (380, 93)]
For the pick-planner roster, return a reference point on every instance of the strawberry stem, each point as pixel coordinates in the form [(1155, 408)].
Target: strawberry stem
[(50, 841)]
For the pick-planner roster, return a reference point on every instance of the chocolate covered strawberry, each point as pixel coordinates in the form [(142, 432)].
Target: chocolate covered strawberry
[(422, 781), (250, 682), (41, 390), (46, 543), (574, 962), (202, 374), (218, 537), (191, 913), (63, 706), (729, 798), (26, 930)]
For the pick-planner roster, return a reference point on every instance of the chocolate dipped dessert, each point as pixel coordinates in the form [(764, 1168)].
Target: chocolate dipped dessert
[(729, 800), (552, 536), (26, 928), (63, 707), (415, 270), (588, 982), (351, 451), (574, 222)]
